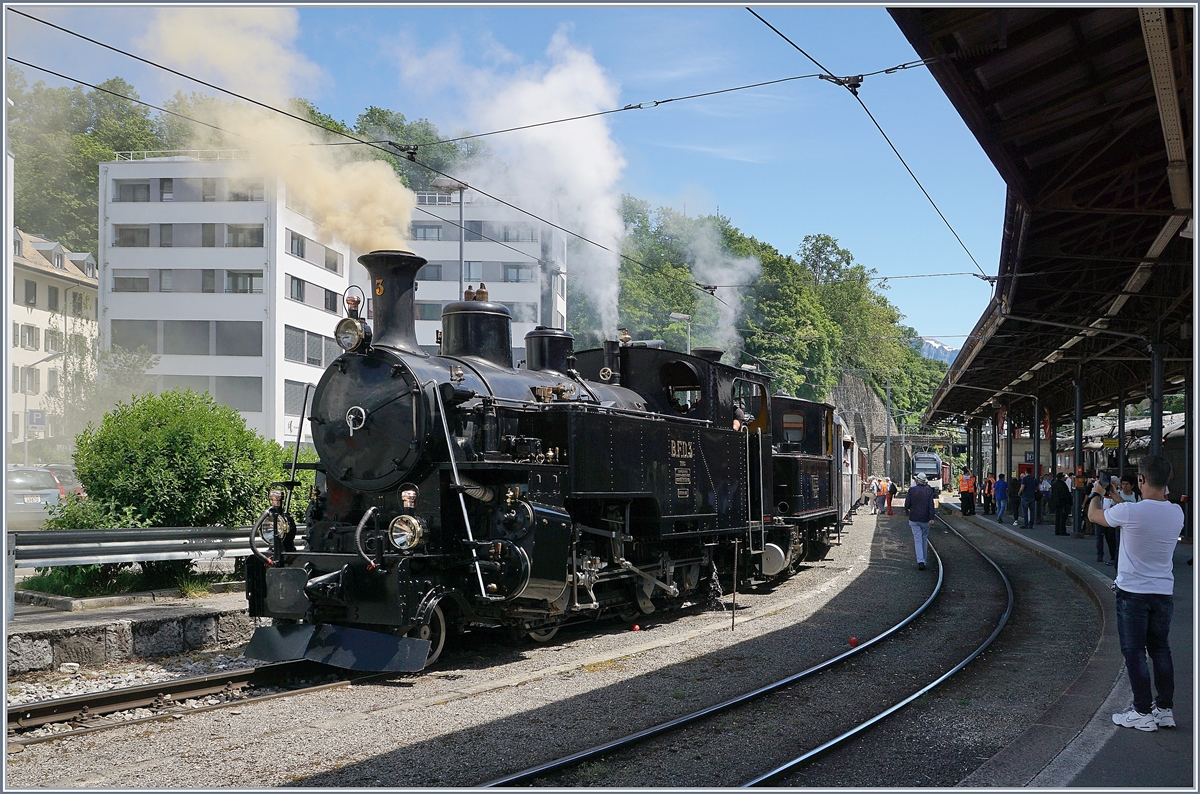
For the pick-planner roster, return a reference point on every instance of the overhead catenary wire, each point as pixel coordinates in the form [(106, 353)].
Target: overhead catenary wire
[(233, 132), (854, 92), (411, 155)]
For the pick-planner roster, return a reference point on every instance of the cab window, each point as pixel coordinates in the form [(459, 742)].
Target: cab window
[(751, 399), (681, 382), (793, 428)]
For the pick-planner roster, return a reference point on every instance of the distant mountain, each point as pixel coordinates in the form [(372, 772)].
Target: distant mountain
[(938, 352)]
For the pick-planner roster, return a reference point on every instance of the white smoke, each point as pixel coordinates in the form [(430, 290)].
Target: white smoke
[(566, 173), (712, 263), (252, 51)]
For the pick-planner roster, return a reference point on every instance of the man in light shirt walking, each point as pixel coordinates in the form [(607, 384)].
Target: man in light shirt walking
[(1145, 588)]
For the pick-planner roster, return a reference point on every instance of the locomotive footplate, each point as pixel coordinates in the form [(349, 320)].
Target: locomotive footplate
[(339, 646)]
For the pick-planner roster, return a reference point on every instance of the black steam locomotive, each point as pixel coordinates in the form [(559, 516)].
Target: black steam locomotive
[(459, 490)]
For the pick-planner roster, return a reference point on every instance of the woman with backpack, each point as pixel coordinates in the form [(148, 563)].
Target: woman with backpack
[(891, 491)]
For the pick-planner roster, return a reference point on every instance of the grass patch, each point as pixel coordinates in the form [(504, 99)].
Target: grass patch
[(84, 581)]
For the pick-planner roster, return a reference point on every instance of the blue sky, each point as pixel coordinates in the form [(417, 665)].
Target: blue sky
[(781, 162)]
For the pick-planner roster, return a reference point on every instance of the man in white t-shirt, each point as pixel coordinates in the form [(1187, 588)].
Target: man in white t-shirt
[(1145, 585)]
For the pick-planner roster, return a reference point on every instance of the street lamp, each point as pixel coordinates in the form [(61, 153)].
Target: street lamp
[(687, 318), (25, 391), (447, 185)]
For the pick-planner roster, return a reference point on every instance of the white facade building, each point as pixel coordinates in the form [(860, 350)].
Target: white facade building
[(522, 263), (229, 281)]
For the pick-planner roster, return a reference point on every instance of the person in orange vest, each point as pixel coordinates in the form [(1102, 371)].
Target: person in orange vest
[(989, 490), (966, 492)]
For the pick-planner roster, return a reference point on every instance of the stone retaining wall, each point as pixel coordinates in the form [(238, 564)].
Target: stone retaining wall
[(121, 640)]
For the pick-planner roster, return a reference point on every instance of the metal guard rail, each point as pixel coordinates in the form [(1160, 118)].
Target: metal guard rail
[(51, 548)]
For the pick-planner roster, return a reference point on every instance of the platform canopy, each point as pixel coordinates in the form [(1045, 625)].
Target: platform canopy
[(1087, 115)]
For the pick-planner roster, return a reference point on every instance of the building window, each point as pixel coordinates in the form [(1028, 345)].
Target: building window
[(523, 312), (432, 199), (472, 271), (293, 398), (166, 190), (58, 260), (426, 231), (331, 301), (78, 304), (31, 380), (166, 280), (239, 338), (208, 281), (237, 236), (197, 383), (293, 343), (246, 190), (560, 320), (516, 273), (429, 311), (135, 334), (185, 337), (430, 273), (519, 234), (208, 189), (17, 247), (239, 393), (473, 232), (52, 298), (296, 289), (16, 417), (133, 237), (16, 384), (79, 345), (332, 351), (244, 281), (560, 286), (52, 382), (16, 334), (166, 235), (126, 284), (54, 341), (208, 235), (333, 260), (296, 244), (133, 192), (31, 337), (316, 349)]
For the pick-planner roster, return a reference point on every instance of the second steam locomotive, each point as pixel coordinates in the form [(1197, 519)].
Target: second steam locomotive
[(457, 490)]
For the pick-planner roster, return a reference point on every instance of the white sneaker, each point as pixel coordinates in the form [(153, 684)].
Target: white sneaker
[(1132, 718), (1016, 523), (1163, 718)]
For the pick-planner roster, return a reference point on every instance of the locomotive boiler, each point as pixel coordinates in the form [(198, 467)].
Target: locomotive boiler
[(462, 491)]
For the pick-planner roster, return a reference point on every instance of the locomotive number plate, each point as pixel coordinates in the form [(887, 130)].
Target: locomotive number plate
[(682, 493), (680, 449), (683, 476)]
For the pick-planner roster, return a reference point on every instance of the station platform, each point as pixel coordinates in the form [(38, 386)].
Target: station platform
[(1103, 755)]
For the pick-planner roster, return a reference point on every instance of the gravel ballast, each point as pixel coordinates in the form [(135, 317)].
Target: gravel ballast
[(483, 714)]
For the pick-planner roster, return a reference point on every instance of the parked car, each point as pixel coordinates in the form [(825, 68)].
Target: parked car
[(30, 489), (67, 477)]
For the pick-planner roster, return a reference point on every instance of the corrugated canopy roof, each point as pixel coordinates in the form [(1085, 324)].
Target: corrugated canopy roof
[(1087, 115)]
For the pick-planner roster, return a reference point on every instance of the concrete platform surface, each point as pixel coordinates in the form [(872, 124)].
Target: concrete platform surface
[(1103, 755)]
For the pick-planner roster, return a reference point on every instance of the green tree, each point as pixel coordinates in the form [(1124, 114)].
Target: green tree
[(178, 459), (59, 136)]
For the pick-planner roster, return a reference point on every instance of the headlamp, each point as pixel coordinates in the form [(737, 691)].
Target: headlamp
[(405, 532), (352, 333)]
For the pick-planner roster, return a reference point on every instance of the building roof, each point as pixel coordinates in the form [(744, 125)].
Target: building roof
[(1085, 113), (37, 253)]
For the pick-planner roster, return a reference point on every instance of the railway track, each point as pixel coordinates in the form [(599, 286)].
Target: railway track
[(113, 708), (546, 772)]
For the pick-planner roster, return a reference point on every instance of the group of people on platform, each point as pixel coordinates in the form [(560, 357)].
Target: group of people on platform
[(1135, 505), (882, 490)]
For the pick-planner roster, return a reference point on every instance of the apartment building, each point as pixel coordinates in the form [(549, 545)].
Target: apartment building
[(53, 311), (519, 259), (225, 276)]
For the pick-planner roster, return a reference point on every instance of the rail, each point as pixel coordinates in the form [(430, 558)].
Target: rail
[(53, 548)]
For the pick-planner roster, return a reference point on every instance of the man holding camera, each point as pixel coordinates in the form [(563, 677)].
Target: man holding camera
[(1145, 587)]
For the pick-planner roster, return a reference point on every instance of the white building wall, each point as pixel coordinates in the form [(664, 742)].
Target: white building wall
[(273, 306)]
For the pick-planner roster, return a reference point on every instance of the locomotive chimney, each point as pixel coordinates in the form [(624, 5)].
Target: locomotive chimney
[(393, 286)]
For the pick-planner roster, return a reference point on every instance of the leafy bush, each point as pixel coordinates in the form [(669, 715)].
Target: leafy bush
[(179, 459)]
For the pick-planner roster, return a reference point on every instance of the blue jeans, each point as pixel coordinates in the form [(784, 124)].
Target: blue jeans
[(1000, 505), (920, 530), (1028, 512), (1143, 621)]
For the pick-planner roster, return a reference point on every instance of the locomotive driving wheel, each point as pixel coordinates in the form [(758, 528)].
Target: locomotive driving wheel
[(434, 631), (544, 634)]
